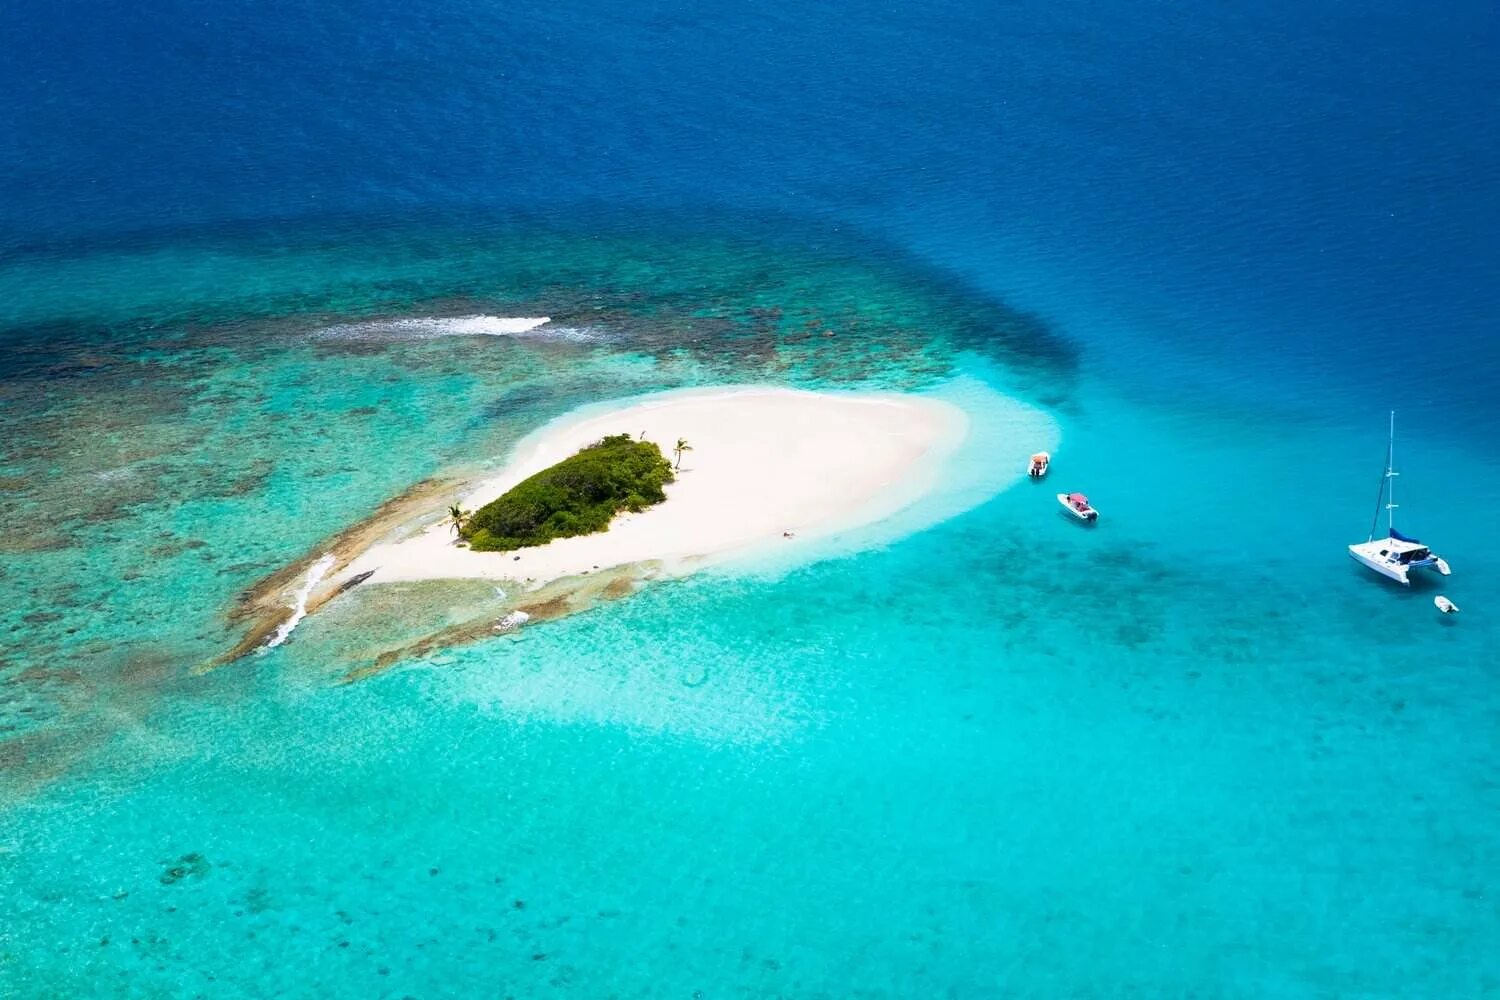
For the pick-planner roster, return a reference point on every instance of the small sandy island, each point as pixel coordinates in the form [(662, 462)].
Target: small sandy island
[(767, 467)]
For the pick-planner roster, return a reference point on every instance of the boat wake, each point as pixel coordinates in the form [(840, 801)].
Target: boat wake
[(299, 604)]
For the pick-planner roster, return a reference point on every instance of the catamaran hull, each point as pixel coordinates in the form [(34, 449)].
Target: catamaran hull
[(1397, 573), (1400, 572)]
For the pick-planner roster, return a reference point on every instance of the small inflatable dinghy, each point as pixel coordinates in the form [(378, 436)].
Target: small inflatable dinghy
[(1039, 463), (1078, 505), (1444, 605)]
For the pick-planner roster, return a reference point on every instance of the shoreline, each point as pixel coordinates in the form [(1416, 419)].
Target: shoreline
[(769, 468)]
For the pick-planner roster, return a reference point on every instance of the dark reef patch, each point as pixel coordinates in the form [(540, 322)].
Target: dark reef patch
[(727, 288), (189, 866)]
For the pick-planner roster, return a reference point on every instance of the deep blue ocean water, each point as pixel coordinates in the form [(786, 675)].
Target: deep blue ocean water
[(1196, 752)]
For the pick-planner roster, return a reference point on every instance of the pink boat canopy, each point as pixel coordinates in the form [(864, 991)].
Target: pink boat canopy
[(1078, 499)]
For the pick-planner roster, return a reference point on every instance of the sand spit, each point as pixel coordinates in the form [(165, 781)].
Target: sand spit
[(770, 471)]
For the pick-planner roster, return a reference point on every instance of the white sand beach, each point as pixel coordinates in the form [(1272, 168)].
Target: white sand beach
[(768, 467)]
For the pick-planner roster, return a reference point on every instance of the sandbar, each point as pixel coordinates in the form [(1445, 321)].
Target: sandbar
[(768, 467)]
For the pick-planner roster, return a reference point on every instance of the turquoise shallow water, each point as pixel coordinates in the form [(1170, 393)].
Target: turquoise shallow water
[(1193, 751)]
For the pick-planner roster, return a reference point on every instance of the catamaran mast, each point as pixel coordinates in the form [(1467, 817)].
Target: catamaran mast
[(1391, 474), (1386, 484)]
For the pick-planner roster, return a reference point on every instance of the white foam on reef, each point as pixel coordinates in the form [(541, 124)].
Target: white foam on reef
[(512, 621), (580, 334), (299, 604), (431, 327)]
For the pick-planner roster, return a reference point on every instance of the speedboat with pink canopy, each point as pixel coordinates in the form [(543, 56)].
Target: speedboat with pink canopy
[(1078, 505)]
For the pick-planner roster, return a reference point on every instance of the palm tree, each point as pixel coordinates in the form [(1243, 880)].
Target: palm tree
[(456, 517), (681, 447)]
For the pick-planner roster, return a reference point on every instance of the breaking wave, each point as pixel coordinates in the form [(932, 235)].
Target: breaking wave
[(299, 606), (431, 327)]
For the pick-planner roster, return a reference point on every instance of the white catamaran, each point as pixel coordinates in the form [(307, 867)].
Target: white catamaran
[(1395, 555)]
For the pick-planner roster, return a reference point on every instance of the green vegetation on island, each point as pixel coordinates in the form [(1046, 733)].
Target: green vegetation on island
[(578, 496), (456, 518)]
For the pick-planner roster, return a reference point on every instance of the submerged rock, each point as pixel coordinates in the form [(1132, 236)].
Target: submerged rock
[(193, 865), (355, 581)]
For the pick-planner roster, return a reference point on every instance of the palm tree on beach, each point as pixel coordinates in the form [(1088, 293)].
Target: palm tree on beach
[(456, 518), (678, 449)]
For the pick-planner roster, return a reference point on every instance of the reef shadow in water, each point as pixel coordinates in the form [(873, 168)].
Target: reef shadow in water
[(795, 295)]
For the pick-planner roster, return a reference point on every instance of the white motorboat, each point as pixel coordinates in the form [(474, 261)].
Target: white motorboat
[(1395, 555), (1078, 505), (1444, 605), (1039, 464)]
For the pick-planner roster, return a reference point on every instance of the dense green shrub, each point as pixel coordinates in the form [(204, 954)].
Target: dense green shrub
[(577, 496)]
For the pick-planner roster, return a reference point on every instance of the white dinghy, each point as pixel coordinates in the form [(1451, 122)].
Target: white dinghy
[(1444, 605)]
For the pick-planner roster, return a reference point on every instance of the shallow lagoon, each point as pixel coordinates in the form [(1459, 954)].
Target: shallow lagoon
[(1002, 755)]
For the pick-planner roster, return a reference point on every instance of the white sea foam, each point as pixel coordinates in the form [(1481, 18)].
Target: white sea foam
[(430, 327), (512, 621), (299, 605), (579, 334)]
